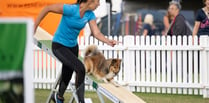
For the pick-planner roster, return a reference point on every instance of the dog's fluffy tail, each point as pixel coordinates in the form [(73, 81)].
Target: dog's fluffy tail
[(91, 50)]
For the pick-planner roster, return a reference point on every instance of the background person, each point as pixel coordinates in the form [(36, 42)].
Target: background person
[(178, 25), (148, 27), (167, 19), (201, 26)]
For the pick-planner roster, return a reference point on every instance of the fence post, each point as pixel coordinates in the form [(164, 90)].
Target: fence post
[(129, 63), (207, 53), (203, 65)]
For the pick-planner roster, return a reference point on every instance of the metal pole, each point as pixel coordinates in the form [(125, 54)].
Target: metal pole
[(109, 20), (109, 13)]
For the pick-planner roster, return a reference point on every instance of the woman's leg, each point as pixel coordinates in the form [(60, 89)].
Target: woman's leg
[(68, 56), (65, 79)]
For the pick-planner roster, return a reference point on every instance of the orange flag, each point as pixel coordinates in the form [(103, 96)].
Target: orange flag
[(31, 8)]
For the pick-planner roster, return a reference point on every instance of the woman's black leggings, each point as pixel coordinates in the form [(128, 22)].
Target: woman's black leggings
[(70, 63)]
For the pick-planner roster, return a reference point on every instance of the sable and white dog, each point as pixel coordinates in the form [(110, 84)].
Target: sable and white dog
[(96, 65)]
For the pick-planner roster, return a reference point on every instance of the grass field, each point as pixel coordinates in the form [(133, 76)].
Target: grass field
[(41, 96)]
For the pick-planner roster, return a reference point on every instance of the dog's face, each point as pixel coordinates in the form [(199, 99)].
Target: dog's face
[(115, 66)]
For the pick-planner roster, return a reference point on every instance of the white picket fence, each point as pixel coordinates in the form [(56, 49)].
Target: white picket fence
[(173, 65)]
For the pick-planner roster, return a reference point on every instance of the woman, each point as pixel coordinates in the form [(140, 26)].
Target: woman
[(178, 26), (64, 43), (166, 21), (148, 27), (201, 26)]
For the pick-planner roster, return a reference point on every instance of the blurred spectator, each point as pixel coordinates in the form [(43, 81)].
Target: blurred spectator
[(178, 25), (139, 25), (202, 20), (167, 19), (148, 27)]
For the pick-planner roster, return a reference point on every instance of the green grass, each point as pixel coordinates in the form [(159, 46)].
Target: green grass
[(41, 96), (171, 98)]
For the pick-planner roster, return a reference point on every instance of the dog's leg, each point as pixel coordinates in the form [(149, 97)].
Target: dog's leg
[(114, 83)]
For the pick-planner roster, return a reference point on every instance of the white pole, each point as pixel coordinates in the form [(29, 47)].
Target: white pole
[(109, 19), (203, 65)]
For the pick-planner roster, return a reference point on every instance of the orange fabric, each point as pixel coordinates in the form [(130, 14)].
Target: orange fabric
[(31, 8)]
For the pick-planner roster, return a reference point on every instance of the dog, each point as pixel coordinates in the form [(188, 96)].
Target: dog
[(100, 67)]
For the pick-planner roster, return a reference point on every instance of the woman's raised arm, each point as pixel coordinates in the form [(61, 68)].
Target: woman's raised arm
[(55, 8)]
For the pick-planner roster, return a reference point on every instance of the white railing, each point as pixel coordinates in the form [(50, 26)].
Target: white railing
[(177, 65)]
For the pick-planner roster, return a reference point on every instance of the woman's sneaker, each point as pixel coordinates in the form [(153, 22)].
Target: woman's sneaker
[(57, 99)]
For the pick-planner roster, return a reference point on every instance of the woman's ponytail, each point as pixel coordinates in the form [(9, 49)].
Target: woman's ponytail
[(81, 1)]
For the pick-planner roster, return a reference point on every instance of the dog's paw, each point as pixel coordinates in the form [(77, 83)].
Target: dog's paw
[(115, 83), (105, 80), (124, 84)]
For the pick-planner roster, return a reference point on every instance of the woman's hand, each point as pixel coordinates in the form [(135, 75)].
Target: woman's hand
[(96, 33), (111, 42), (35, 28)]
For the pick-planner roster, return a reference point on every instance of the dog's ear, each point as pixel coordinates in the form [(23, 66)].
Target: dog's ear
[(114, 61), (119, 60)]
